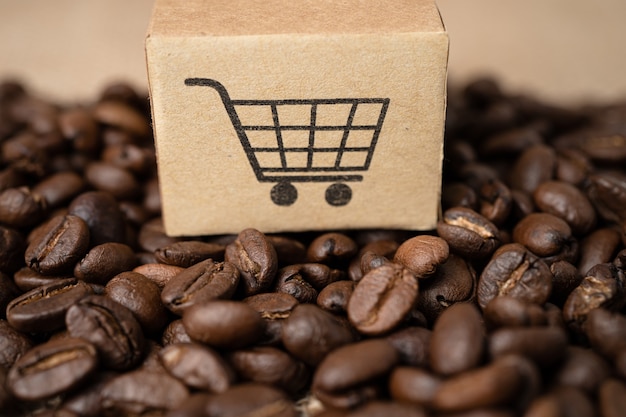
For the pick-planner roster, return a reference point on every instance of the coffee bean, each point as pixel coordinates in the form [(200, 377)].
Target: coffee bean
[(250, 399), (455, 281), (290, 280), (606, 331), (142, 391), (566, 278), (496, 202), (60, 188), (256, 259), (543, 345), (26, 279), (188, 253), (612, 397), (583, 369), (79, 127), (607, 191), (507, 311), (382, 298), (51, 368), (130, 157), (412, 344), (598, 247), (568, 203), (387, 408), (274, 308), (199, 367), (270, 365), (562, 401), (43, 308), (335, 296), (458, 194), (603, 286), (58, 245), (370, 256), (534, 166), (206, 280), (413, 385), (573, 166), (310, 333), (152, 236), (354, 365), (86, 400), (13, 344), (514, 271), (20, 207), (175, 333), (422, 254), (103, 216), (105, 261), (289, 251), (141, 296), (110, 327), (334, 249), (12, 247), (223, 324), (546, 235), (160, 274), (121, 116)]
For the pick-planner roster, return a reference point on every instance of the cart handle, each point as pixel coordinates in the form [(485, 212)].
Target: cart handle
[(208, 82)]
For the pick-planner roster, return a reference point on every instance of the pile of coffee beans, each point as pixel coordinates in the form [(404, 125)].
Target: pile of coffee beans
[(513, 307)]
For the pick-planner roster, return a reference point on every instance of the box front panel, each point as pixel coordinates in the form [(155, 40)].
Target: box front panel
[(298, 133)]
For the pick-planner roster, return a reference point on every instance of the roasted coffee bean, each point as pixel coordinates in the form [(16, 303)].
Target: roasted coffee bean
[(274, 308), (514, 271), (545, 235), (199, 367), (43, 309), (607, 191), (606, 331), (458, 194), (511, 141), (543, 345), (568, 203), (13, 345), (598, 247), (160, 274), (290, 280), (223, 324), (288, 250), (335, 296), (8, 291), (121, 115), (573, 166), (58, 245), (12, 247), (413, 385), (422, 254), (507, 311), (26, 279), (188, 253), (51, 368), (142, 391), (105, 261), (566, 277), (382, 298), (583, 369), (371, 256), (128, 156), (20, 207), (455, 281), (534, 166), (141, 296), (612, 398), (333, 249), (496, 202), (86, 401), (270, 365), (193, 406), (175, 333), (468, 233), (496, 384), (412, 344), (103, 216), (310, 333), (368, 261), (354, 365), (60, 188), (119, 182), (205, 281), (255, 257), (78, 126), (562, 401), (250, 399), (603, 286), (152, 236), (110, 327), (463, 324)]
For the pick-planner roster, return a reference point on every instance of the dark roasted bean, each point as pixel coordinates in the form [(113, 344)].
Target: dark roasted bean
[(60, 188), (206, 280), (568, 203), (496, 202), (507, 311), (543, 345), (188, 253), (597, 248), (382, 298), (58, 245), (422, 254), (160, 274), (544, 235), (26, 279), (249, 399), (102, 214), (255, 257), (105, 261), (468, 233), (606, 331), (86, 400), (288, 250), (51, 368), (19, 207), (12, 247), (566, 277), (43, 308), (534, 166), (13, 345), (413, 385), (110, 327), (607, 191), (582, 368), (152, 236), (335, 296), (412, 344), (332, 249), (612, 395), (290, 280)]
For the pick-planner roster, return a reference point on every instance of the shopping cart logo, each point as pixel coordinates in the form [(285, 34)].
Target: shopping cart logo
[(305, 140)]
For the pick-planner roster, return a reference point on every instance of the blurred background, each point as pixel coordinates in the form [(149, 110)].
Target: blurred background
[(562, 51)]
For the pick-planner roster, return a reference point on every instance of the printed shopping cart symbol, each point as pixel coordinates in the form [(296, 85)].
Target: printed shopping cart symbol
[(305, 140)]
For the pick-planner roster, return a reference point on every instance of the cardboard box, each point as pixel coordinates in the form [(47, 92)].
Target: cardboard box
[(297, 115)]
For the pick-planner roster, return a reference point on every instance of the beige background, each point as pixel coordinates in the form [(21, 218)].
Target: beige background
[(563, 50)]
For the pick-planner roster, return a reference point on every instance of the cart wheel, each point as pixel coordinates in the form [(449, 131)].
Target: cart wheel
[(284, 194), (338, 194)]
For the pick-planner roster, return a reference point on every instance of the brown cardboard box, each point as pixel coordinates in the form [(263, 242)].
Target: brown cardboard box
[(288, 116)]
